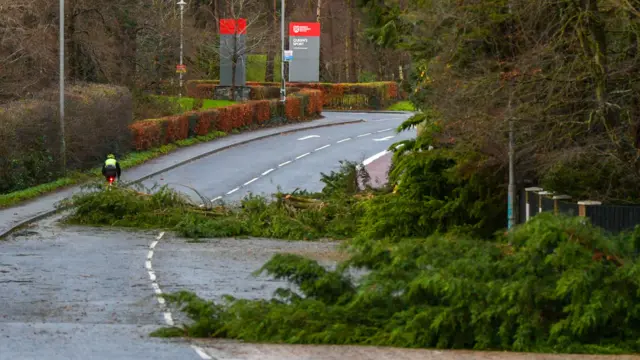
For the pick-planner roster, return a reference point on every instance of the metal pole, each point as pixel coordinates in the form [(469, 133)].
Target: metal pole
[(511, 221), (512, 186), (181, 3), (63, 145), (283, 90)]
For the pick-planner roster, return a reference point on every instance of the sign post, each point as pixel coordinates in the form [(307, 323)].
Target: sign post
[(288, 55), (304, 42), (233, 34)]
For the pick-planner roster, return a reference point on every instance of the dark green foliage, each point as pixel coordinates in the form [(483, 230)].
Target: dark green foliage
[(547, 291), (293, 216)]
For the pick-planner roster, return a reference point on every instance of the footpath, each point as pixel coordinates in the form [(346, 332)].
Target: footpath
[(45, 205)]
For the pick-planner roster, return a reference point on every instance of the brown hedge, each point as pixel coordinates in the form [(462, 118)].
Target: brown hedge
[(97, 119), (303, 105), (375, 95)]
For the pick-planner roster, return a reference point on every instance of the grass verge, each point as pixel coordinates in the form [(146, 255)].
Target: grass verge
[(129, 161), (402, 106)]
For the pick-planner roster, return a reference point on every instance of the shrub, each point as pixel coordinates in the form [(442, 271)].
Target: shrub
[(97, 119), (152, 133), (374, 95)]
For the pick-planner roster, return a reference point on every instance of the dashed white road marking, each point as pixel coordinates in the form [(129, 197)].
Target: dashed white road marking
[(380, 131), (152, 276), (284, 163), (217, 198), (250, 181), (309, 137), (158, 238), (324, 147), (153, 244), (232, 191), (363, 135), (150, 255), (201, 353), (301, 156), (343, 140), (147, 264), (267, 172), (384, 138), (375, 157)]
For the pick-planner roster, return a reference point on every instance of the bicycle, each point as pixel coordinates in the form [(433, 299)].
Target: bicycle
[(110, 179)]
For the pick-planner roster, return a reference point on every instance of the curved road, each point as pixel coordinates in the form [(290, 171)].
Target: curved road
[(289, 161), (84, 293)]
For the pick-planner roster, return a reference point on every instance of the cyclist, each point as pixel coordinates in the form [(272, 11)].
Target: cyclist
[(111, 167)]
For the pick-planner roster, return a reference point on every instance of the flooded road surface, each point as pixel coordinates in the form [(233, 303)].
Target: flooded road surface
[(79, 293)]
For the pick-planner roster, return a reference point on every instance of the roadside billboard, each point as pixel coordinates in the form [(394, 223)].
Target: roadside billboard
[(230, 29), (304, 42)]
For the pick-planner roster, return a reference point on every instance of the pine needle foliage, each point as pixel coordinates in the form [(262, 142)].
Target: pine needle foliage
[(553, 285)]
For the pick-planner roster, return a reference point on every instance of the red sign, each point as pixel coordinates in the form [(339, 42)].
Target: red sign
[(304, 29), (181, 68), (233, 26)]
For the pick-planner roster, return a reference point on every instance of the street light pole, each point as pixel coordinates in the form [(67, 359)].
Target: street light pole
[(63, 145), (182, 3), (283, 90)]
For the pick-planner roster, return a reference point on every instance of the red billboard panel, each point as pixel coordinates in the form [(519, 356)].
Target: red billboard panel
[(304, 29), (233, 26)]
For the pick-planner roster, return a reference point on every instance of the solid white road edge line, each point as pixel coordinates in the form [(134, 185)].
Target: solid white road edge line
[(375, 157), (309, 137), (201, 352)]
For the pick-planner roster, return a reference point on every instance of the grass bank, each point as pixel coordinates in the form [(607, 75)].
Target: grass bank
[(402, 106), (131, 160)]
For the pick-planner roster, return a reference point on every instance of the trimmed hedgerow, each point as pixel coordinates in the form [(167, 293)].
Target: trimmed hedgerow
[(375, 95), (156, 132)]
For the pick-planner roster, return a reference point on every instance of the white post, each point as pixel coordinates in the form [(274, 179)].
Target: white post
[(283, 90), (527, 204), (540, 195), (182, 4), (63, 145)]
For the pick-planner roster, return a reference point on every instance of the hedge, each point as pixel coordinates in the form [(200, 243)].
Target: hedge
[(374, 95), (97, 118), (302, 105)]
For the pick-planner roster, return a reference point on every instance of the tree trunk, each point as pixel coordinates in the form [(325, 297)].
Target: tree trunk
[(352, 75), (234, 64), (271, 50)]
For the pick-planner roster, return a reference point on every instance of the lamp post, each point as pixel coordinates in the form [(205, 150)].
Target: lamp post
[(63, 145), (283, 90), (182, 3)]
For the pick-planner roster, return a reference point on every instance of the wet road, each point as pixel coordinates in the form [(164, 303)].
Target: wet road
[(287, 162), (79, 293), (88, 293)]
